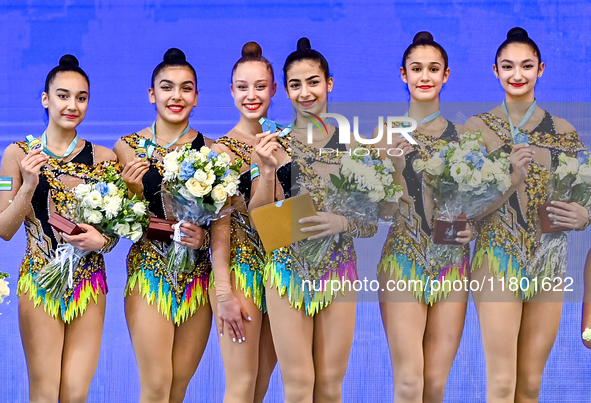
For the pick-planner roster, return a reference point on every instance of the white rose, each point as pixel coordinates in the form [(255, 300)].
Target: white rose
[(121, 229), (223, 160), (196, 188), (171, 165), (460, 172), (418, 165), (458, 155), (572, 165), (504, 183), (113, 190), (205, 151), (200, 175), (586, 333), (135, 233), (487, 171), (92, 199), (4, 290), (231, 189), (434, 166), (92, 216), (139, 208), (112, 205), (210, 178), (561, 171), (388, 165), (82, 190), (219, 194), (377, 195), (471, 145), (185, 193), (387, 180), (476, 180)]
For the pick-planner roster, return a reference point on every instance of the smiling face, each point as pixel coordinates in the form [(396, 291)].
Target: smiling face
[(518, 70), (174, 93), (67, 100), (424, 72), (252, 88), (307, 86)]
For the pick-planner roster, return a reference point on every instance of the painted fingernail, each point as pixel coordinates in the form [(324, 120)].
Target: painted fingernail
[(244, 338), (548, 209), (249, 319), (233, 340), (301, 221), (221, 335), (457, 239), (552, 202), (239, 341)]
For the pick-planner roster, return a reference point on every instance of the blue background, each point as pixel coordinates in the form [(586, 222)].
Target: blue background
[(119, 43)]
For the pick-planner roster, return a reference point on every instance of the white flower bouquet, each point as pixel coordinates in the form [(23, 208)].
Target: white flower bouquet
[(464, 180), (570, 182), (363, 182), (4, 290), (105, 205), (199, 182)]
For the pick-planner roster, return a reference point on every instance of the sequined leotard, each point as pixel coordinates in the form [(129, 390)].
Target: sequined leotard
[(404, 256), (56, 180), (176, 298), (340, 264), (510, 235)]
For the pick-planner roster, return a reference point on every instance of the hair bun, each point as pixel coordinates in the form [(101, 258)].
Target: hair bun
[(517, 32), (304, 44), (174, 54), (423, 37), (69, 61), (252, 49)]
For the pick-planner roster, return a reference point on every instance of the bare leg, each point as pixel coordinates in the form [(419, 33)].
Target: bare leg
[(43, 340), (240, 359), (445, 323), (190, 340), (267, 360), (333, 337), (404, 320), (152, 337), (499, 313), (293, 332), (82, 346), (539, 326)]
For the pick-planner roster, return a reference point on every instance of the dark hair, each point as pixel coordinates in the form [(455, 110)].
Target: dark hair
[(424, 38), (305, 52), (252, 52), (67, 63), (519, 35), (172, 58)]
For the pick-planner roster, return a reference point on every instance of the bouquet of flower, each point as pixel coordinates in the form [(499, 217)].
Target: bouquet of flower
[(464, 180), (199, 182), (4, 290), (570, 182), (104, 204), (363, 182)]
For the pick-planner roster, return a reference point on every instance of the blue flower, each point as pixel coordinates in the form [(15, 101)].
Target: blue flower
[(521, 139), (475, 158), (443, 152), (187, 171), (367, 160), (103, 188), (483, 151), (226, 173), (212, 154)]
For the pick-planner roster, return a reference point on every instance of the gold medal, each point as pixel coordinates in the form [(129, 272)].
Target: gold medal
[(35, 144), (141, 153)]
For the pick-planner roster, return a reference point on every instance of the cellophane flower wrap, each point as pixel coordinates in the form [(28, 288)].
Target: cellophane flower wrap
[(105, 204), (463, 179), (4, 290), (362, 184), (570, 182), (199, 183)]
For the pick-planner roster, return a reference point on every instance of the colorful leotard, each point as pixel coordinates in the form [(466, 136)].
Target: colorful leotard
[(404, 255), (510, 235), (246, 251), (177, 296), (90, 278), (340, 264)]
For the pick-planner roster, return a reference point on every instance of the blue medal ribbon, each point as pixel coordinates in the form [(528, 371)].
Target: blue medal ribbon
[(427, 119), (269, 126), (519, 137), (166, 147), (43, 139)]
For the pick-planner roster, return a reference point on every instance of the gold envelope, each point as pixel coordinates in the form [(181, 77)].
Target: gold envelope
[(277, 223)]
